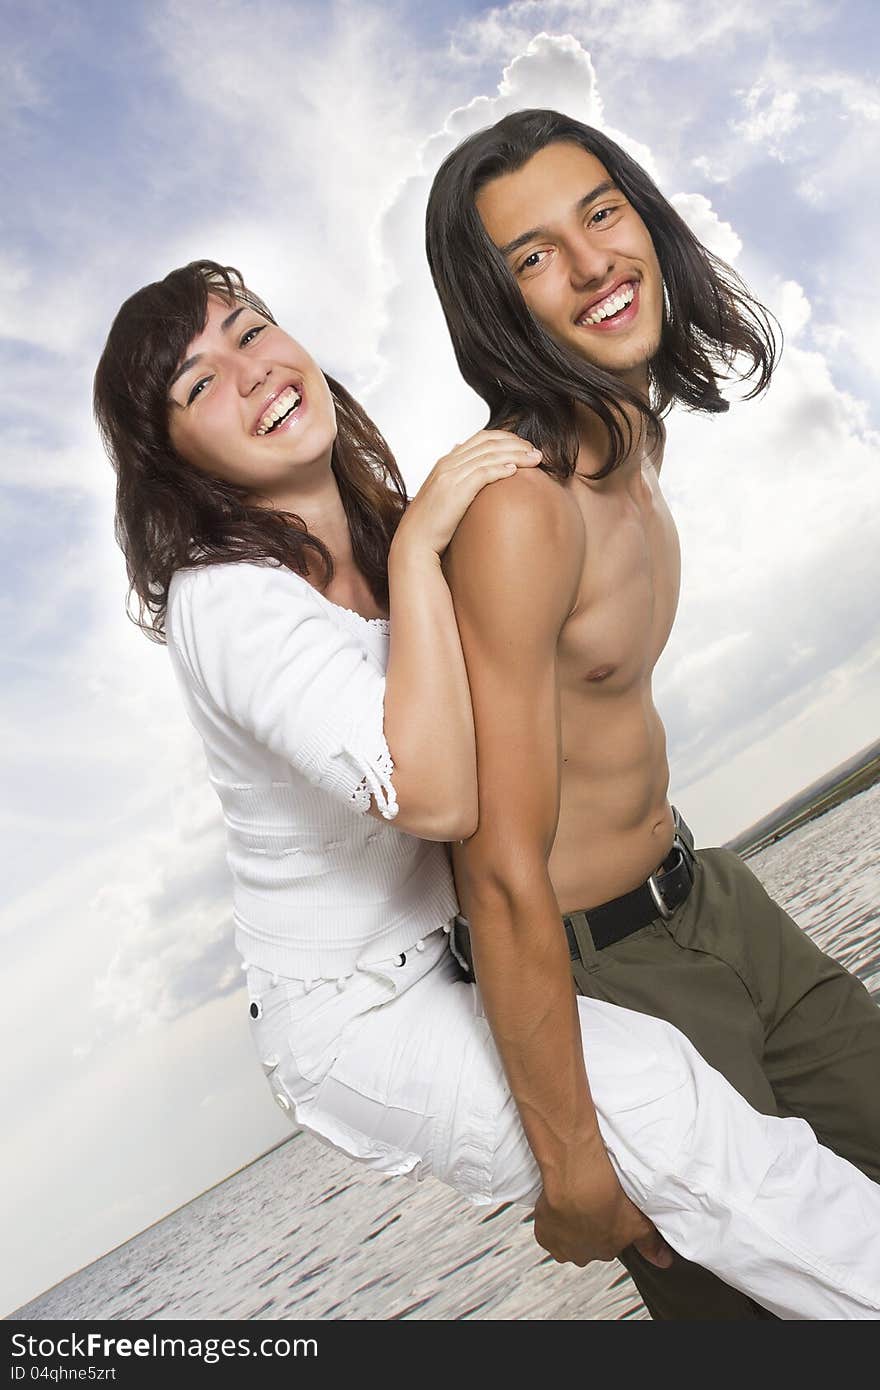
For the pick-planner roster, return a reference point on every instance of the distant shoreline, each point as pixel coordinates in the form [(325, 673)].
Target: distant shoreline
[(854, 776)]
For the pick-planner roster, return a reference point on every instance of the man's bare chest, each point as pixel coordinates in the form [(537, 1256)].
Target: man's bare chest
[(628, 590)]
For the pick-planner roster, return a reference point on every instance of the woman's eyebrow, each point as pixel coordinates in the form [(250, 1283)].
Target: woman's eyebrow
[(191, 361), (534, 232)]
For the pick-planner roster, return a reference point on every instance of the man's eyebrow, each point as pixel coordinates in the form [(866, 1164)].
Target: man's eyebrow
[(191, 361), (534, 232)]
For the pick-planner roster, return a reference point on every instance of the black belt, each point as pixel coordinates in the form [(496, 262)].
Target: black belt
[(659, 896)]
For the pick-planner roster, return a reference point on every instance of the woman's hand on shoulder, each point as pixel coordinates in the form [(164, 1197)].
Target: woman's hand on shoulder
[(453, 483)]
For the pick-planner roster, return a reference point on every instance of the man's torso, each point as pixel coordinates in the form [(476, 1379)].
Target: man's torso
[(615, 824)]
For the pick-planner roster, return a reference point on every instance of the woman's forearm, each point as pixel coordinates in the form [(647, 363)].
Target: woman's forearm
[(429, 724)]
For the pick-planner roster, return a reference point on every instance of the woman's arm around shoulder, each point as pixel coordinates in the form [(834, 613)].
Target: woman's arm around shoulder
[(428, 716), (260, 646)]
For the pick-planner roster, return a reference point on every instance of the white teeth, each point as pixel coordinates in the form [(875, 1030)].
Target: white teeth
[(610, 306), (288, 400)]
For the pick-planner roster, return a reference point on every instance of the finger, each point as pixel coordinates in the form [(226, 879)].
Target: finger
[(522, 458), (487, 446), (485, 473), (490, 434), (456, 465), (555, 1252)]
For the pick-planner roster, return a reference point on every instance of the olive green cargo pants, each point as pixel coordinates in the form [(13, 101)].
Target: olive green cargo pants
[(793, 1031)]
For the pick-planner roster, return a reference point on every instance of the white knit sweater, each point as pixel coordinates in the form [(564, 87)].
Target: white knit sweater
[(286, 690)]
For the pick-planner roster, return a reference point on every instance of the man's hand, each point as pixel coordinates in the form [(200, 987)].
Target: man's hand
[(593, 1219)]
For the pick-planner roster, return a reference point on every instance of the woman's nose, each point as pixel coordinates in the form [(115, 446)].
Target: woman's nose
[(252, 373)]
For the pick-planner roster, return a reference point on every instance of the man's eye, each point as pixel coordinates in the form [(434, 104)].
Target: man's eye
[(197, 389), (249, 336)]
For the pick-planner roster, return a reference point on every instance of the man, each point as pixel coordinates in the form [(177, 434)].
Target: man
[(581, 306)]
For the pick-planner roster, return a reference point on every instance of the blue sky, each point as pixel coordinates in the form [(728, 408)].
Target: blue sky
[(298, 142)]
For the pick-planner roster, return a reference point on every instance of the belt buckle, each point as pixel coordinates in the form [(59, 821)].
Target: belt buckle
[(654, 889), (686, 858), (654, 886)]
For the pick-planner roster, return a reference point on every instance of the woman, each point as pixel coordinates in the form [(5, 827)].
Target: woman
[(268, 537)]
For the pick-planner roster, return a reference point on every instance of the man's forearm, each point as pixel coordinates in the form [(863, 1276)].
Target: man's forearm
[(523, 970)]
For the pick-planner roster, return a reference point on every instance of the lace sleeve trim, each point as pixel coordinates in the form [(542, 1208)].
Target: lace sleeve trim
[(376, 782)]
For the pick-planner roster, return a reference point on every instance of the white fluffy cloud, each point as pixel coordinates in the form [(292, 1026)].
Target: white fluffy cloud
[(653, 29), (770, 118), (705, 224)]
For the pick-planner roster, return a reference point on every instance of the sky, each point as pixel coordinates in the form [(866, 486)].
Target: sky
[(297, 142)]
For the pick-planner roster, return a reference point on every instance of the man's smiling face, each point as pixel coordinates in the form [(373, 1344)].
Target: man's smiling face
[(582, 257)]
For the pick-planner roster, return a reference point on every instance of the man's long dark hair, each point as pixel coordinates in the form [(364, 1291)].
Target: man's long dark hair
[(170, 515), (713, 329)]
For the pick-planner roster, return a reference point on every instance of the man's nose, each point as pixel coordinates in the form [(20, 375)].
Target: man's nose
[(589, 264)]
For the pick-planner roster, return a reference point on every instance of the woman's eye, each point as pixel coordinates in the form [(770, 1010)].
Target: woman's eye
[(249, 336), (197, 389), (531, 261)]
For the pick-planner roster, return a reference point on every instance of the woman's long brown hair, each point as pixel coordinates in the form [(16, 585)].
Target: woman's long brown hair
[(170, 515)]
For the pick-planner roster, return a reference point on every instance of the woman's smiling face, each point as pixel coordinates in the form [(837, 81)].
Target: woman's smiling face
[(249, 405)]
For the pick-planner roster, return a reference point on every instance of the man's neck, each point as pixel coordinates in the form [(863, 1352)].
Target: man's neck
[(595, 440)]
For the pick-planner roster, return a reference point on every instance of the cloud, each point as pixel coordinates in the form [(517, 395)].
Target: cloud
[(317, 171), (290, 190), (772, 116), (653, 29), (169, 905), (718, 236), (768, 500), (551, 71), (714, 173), (21, 91), (791, 306), (789, 96)]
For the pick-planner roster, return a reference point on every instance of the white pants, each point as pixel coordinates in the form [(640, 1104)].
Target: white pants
[(411, 1082)]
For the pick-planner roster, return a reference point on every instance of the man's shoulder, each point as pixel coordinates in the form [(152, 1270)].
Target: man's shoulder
[(528, 506), (521, 541)]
